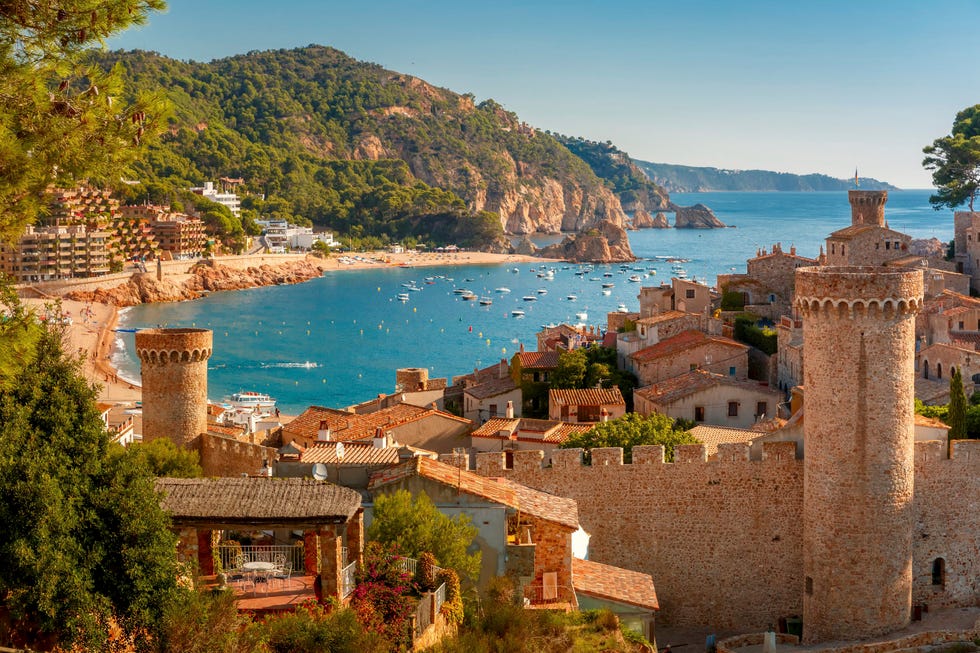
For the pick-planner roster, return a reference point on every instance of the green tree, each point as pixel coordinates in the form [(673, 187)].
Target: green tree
[(629, 431), (955, 162), (416, 526), (957, 408), (571, 370), (62, 118), (84, 535), (164, 458)]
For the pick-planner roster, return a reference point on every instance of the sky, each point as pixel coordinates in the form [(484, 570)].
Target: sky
[(822, 86)]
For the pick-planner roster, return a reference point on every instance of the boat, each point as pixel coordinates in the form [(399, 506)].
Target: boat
[(461, 291), (403, 296), (635, 278), (485, 301), (469, 296), (515, 270), (582, 315), (622, 309), (607, 274), (408, 284), (606, 291), (517, 313), (608, 285), (530, 298), (542, 291), (571, 298), (502, 290), (253, 400)]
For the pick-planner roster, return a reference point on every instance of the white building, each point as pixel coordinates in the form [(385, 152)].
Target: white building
[(225, 199)]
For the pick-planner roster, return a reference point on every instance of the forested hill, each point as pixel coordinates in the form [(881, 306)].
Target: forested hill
[(681, 179), (632, 186), (355, 147)]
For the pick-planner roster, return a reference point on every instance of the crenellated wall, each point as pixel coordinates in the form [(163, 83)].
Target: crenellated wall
[(723, 540), (224, 456)]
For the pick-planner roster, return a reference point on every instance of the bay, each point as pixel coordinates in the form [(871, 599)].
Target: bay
[(338, 339)]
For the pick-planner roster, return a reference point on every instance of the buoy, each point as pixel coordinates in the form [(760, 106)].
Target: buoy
[(471, 329), (480, 334), (415, 310), (488, 342), (362, 332), (323, 380), (379, 288), (307, 332), (193, 323)]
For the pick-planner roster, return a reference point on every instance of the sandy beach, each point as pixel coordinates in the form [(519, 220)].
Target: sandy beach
[(91, 332)]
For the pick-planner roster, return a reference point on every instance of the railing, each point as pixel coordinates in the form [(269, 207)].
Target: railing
[(408, 565), (347, 582), (542, 596), (440, 595), (423, 616), (228, 555)]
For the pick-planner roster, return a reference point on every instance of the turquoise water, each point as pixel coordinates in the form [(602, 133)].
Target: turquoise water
[(337, 340)]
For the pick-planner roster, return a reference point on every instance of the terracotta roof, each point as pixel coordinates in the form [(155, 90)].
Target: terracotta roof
[(256, 499), (346, 426), (514, 495), (103, 407), (851, 231), (586, 397), (682, 342), (686, 384), (614, 584), (494, 425), (666, 316), (540, 360), (712, 436), (530, 430), (221, 429), (491, 388), (957, 310), (354, 453), (922, 420)]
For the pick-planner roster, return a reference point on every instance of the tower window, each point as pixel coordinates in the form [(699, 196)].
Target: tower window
[(888, 245), (939, 370), (939, 572)]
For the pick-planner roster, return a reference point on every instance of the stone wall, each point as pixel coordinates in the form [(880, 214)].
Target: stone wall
[(722, 357), (224, 456)]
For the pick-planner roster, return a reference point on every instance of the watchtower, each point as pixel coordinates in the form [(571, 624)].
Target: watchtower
[(868, 206), (174, 370), (859, 347)]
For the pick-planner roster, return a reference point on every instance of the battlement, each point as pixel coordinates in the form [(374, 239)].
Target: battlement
[(855, 291), (162, 346), (929, 451)]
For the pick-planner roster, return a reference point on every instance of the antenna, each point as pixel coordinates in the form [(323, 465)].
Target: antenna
[(320, 472)]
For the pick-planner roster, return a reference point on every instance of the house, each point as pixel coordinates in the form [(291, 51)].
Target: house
[(426, 428), (711, 436), (564, 337), (486, 393), (767, 287), (585, 405), (681, 295), (652, 329), (508, 435), (523, 533), (686, 351), (710, 398), (629, 594), (345, 463), (118, 423), (534, 370)]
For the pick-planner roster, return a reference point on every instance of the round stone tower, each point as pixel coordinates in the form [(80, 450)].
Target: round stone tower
[(868, 206), (859, 348), (174, 370)]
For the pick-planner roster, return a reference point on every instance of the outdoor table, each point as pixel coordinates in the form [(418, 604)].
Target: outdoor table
[(259, 566)]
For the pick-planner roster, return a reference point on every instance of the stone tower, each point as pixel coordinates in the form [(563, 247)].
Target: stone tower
[(868, 206), (174, 369), (859, 346)]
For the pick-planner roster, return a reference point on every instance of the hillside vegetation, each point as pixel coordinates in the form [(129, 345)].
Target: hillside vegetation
[(359, 149), (689, 179)]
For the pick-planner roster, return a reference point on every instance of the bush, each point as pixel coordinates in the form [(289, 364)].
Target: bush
[(732, 300), (311, 629), (452, 609), (747, 331), (425, 572)]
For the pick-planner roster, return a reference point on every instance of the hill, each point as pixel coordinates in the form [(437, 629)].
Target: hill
[(359, 149), (685, 179)]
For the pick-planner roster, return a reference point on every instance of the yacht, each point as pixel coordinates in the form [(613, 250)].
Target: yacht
[(582, 315), (571, 298), (253, 400), (485, 301), (542, 291), (502, 290), (622, 309)]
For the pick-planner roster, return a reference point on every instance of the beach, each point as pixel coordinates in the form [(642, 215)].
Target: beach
[(91, 332)]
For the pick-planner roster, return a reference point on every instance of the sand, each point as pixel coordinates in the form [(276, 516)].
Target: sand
[(92, 334)]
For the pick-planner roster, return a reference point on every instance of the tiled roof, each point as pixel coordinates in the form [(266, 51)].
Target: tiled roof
[(686, 384), (851, 231), (957, 310), (353, 453), (491, 388), (256, 499), (530, 430), (103, 407), (712, 436), (922, 420), (514, 495), (666, 316), (494, 425), (614, 584), (346, 426), (540, 360), (682, 342), (585, 397), (221, 429)]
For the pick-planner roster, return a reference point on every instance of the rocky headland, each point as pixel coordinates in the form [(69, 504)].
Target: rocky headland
[(698, 216), (606, 244)]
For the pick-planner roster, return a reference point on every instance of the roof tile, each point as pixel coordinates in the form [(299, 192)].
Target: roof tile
[(614, 583)]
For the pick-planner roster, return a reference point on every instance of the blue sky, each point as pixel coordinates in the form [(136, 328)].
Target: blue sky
[(784, 85)]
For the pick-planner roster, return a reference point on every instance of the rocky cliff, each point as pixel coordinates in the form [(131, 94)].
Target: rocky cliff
[(643, 220), (698, 216), (607, 244), (145, 288)]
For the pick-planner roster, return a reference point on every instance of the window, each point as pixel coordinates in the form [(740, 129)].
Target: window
[(761, 409), (961, 326), (877, 245), (689, 293), (493, 410), (733, 409), (833, 248), (939, 370), (939, 572), (694, 366), (888, 245), (731, 371), (896, 244), (842, 249), (699, 413)]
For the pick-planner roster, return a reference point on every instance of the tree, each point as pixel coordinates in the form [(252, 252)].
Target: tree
[(84, 536), (629, 431), (164, 458), (62, 118), (955, 162), (571, 370), (416, 526), (957, 408)]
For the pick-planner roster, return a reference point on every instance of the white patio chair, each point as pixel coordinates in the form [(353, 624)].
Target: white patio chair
[(283, 574)]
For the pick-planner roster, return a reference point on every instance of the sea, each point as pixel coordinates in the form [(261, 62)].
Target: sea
[(338, 339)]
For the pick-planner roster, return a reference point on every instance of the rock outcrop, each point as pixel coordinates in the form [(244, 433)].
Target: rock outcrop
[(643, 220), (698, 216), (607, 244), (525, 247), (144, 288), (928, 247)]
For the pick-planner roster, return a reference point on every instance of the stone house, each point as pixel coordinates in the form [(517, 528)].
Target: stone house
[(709, 398), (585, 405), (345, 463), (938, 361), (966, 242), (426, 428), (564, 337), (534, 369), (687, 351), (629, 594), (711, 436), (652, 329), (789, 352), (518, 434), (767, 285), (682, 295)]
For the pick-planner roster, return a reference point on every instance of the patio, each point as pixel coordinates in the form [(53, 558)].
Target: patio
[(279, 597)]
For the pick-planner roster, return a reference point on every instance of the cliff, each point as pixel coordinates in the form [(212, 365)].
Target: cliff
[(144, 288), (607, 244), (698, 216), (691, 179)]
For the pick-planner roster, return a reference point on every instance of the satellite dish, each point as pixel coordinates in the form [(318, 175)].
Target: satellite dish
[(320, 472)]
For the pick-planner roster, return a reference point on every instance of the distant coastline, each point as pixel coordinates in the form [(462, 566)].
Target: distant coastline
[(693, 179)]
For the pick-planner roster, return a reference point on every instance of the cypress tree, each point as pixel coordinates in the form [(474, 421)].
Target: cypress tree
[(957, 409)]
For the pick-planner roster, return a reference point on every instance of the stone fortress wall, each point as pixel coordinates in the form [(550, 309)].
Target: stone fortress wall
[(723, 540)]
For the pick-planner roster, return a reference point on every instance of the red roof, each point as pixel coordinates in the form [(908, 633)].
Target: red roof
[(530, 430), (541, 360), (684, 385), (614, 584), (682, 342), (586, 397), (346, 426)]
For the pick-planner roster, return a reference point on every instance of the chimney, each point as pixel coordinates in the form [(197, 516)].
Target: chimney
[(339, 450), (502, 368), (510, 410), (323, 434), (521, 349), (603, 415), (380, 441)]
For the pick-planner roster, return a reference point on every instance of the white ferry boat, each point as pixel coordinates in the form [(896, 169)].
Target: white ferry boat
[(247, 399)]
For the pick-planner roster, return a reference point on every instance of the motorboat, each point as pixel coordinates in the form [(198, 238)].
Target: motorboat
[(542, 291), (253, 400), (502, 290), (403, 296), (571, 298), (485, 301), (530, 298), (582, 315), (608, 285), (517, 313), (635, 278), (622, 309)]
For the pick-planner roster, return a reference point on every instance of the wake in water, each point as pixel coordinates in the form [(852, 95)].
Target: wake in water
[(305, 365)]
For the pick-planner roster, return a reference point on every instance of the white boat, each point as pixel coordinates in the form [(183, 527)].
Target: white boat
[(468, 296), (606, 291), (571, 298), (622, 309), (461, 291), (517, 313), (542, 291), (247, 399), (530, 298), (608, 285), (582, 315), (485, 301), (502, 290), (635, 278), (607, 274), (515, 270), (403, 296)]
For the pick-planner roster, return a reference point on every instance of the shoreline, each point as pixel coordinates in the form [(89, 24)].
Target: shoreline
[(92, 331)]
